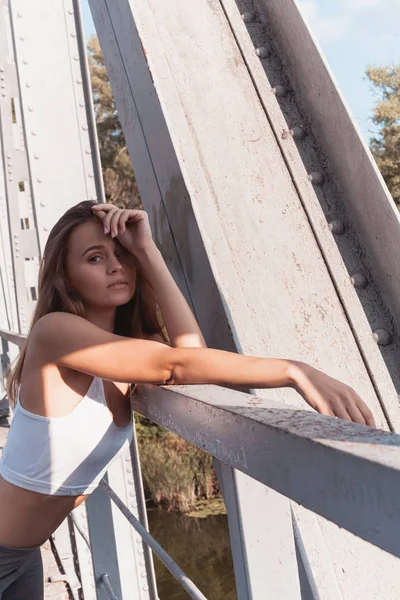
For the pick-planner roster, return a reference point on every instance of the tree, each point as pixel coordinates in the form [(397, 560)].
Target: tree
[(386, 145), (119, 179)]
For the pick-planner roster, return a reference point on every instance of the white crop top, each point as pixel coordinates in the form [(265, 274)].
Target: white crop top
[(64, 455)]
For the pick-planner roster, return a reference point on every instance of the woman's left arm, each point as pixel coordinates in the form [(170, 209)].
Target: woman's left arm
[(180, 323)]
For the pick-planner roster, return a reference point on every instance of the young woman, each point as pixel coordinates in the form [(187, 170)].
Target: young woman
[(103, 289)]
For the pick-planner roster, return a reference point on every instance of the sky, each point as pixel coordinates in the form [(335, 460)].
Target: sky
[(352, 34)]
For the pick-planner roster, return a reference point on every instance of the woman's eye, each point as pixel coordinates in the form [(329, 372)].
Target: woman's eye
[(92, 258)]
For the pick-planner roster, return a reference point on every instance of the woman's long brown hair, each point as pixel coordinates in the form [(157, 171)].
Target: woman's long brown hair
[(139, 318)]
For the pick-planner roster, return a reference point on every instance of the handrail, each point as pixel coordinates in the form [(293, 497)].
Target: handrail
[(345, 472), (15, 338)]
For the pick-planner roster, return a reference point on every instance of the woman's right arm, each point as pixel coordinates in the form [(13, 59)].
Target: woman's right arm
[(71, 341)]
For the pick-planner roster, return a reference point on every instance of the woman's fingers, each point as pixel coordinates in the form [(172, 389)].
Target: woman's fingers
[(355, 414), (124, 217), (114, 222), (108, 218), (367, 414), (101, 214)]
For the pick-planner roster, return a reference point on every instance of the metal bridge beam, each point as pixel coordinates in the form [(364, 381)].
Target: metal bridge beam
[(239, 220), (50, 161)]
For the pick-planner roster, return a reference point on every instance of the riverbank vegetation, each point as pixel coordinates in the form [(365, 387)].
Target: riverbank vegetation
[(176, 475)]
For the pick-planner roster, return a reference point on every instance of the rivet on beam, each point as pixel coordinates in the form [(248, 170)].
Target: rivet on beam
[(316, 178), (336, 226), (359, 280), (248, 17), (298, 132), (383, 337), (280, 91), (263, 52)]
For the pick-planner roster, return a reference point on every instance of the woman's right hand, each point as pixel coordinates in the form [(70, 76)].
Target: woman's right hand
[(329, 396)]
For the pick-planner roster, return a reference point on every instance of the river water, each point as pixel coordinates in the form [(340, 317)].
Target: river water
[(200, 547)]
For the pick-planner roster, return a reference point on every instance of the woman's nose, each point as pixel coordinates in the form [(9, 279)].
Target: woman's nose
[(115, 266)]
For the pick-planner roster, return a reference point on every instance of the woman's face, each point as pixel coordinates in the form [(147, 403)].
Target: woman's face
[(101, 272)]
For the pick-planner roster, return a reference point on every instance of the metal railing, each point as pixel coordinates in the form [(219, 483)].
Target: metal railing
[(345, 472)]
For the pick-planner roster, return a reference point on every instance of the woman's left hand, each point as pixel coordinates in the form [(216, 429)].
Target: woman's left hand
[(130, 226)]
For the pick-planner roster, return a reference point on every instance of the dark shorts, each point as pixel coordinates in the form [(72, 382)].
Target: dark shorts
[(21, 574)]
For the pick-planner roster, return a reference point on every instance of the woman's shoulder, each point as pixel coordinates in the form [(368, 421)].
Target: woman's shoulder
[(53, 320)]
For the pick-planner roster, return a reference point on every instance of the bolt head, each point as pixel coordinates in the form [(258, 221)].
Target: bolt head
[(359, 280), (21, 37), (28, 85), (298, 132), (263, 52), (248, 17), (39, 180), (33, 132), (79, 81), (280, 91), (85, 127), (36, 156), (336, 226), (383, 337), (45, 228), (316, 178), (43, 204)]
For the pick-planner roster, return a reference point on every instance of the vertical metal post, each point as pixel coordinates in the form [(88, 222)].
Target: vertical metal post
[(116, 548)]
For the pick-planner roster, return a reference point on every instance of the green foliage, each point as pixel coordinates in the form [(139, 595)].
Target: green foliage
[(119, 180), (175, 473), (386, 145)]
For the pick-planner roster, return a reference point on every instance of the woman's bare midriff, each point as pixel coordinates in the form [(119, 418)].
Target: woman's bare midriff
[(28, 518)]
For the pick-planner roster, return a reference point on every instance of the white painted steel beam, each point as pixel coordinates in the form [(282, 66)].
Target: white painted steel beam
[(164, 195), (263, 253), (345, 472), (367, 202)]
